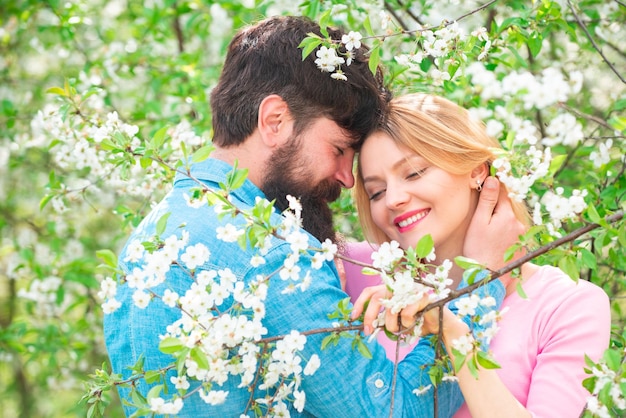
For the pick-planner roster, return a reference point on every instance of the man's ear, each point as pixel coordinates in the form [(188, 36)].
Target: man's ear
[(478, 175), (275, 123)]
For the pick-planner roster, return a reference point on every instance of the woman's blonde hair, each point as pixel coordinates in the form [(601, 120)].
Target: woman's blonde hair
[(441, 132)]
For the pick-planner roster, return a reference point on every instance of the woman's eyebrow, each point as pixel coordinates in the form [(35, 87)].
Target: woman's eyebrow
[(406, 160)]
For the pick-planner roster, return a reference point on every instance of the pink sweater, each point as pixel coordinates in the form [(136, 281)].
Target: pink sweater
[(542, 340)]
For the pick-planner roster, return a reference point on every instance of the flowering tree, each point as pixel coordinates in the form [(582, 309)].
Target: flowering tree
[(101, 100)]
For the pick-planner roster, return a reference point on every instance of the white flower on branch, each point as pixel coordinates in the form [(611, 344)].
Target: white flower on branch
[(352, 40), (327, 59), (229, 233)]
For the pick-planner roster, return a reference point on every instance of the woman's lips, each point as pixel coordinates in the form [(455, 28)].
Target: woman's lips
[(407, 220)]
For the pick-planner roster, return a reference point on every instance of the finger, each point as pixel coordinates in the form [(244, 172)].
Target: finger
[(407, 317), (364, 297), (391, 321), (487, 201), (371, 314)]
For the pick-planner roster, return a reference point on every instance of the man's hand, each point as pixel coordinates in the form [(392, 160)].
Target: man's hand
[(493, 229)]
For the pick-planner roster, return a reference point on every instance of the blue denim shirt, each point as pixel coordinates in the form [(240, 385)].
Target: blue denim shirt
[(346, 384)]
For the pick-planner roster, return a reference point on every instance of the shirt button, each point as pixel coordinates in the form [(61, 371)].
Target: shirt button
[(379, 383)]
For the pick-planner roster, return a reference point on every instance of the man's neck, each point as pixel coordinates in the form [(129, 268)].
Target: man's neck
[(245, 157)]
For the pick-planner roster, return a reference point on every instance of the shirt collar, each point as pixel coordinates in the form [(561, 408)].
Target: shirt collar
[(215, 171)]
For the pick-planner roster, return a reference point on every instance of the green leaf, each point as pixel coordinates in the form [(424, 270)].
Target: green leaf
[(309, 44), (364, 349), (236, 178), (107, 145), (145, 162), (510, 252), (369, 271), (332, 338), (56, 90), (466, 262), (613, 359), (202, 153), (520, 290), (424, 246), (170, 345), (486, 361), (593, 214), (199, 357), (325, 22), (367, 24), (570, 267), (471, 366), (535, 42), (159, 138), (108, 257), (45, 200), (459, 359), (155, 392), (152, 376), (375, 55), (588, 258), (162, 223), (470, 274), (556, 164)]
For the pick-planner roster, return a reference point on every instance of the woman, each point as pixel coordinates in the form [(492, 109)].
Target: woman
[(421, 173)]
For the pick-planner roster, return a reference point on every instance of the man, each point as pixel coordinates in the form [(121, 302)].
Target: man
[(296, 130)]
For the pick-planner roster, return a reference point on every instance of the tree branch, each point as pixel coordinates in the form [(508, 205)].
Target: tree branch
[(597, 48)]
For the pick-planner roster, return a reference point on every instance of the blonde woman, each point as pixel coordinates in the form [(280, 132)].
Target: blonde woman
[(421, 173)]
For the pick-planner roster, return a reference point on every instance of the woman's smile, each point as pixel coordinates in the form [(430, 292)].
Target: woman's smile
[(408, 220)]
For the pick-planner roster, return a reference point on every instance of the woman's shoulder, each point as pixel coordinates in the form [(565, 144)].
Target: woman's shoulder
[(360, 251), (551, 282)]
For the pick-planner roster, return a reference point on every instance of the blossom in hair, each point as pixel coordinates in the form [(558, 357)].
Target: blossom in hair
[(352, 40), (327, 59)]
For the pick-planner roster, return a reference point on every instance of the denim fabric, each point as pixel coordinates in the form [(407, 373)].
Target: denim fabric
[(346, 384)]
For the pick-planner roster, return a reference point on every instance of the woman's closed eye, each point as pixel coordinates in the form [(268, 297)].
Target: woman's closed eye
[(376, 194), (416, 174)]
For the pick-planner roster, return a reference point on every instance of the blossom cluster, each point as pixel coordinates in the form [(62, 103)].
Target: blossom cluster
[(559, 208), (518, 172), (219, 341), (409, 283), (442, 46), (330, 58)]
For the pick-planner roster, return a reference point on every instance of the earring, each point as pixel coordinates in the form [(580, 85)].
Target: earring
[(479, 186)]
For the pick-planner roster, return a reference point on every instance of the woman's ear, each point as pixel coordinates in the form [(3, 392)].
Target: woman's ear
[(478, 176), (275, 124)]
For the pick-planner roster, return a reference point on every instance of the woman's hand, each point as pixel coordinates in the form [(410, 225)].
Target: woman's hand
[(398, 322)]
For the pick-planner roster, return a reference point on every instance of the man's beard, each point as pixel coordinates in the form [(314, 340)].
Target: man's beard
[(287, 175)]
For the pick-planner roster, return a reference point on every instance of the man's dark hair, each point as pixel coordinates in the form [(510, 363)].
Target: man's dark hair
[(265, 59)]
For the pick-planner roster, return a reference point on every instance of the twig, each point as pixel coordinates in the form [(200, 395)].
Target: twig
[(408, 11), (597, 48), (587, 116)]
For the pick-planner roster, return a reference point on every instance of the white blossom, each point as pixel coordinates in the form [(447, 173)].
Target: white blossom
[(180, 382), (327, 59), (464, 344), (352, 40), (141, 299), (312, 365), (229, 233), (195, 255), (213, 397)]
